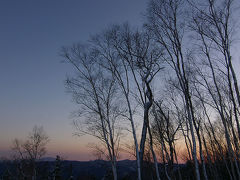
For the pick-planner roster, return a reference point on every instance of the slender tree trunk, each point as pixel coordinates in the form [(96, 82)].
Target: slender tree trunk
[(194, 150), (187, 146), (178, 168), (164, 162), (143, 138), (202, 157), (234, 80), (114, 161), (135, 139), (153, 153), (114, 169), (213, 171)]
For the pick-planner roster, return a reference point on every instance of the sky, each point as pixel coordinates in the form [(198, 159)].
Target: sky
[(32, 76)]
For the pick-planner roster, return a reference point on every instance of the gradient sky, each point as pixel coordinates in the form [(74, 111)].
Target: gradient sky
[(32, 91)]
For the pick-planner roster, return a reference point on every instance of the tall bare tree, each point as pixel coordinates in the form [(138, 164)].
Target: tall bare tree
[(214, 29), (111, 61), (143, 59), (96, 93), (166, 21)]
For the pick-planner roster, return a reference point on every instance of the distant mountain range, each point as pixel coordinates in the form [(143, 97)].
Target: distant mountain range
[(47, 159), (96, 169), (90, 170)]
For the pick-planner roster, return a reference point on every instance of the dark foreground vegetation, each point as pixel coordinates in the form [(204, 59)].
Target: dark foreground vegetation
[(93, 170)]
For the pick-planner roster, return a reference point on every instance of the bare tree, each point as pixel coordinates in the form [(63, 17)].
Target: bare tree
[(166, 21), (143, 59), (106, 45), (96, 93), (29, 151), (165, 127), (140, 60), (214, 30)]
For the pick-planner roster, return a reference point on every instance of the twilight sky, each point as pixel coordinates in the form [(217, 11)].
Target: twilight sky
[(32, 91)]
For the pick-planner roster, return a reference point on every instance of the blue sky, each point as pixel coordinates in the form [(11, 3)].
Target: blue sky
[(31, 76)]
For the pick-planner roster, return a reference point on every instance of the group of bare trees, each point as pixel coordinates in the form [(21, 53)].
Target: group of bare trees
[(28, 152), (176, 78)]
